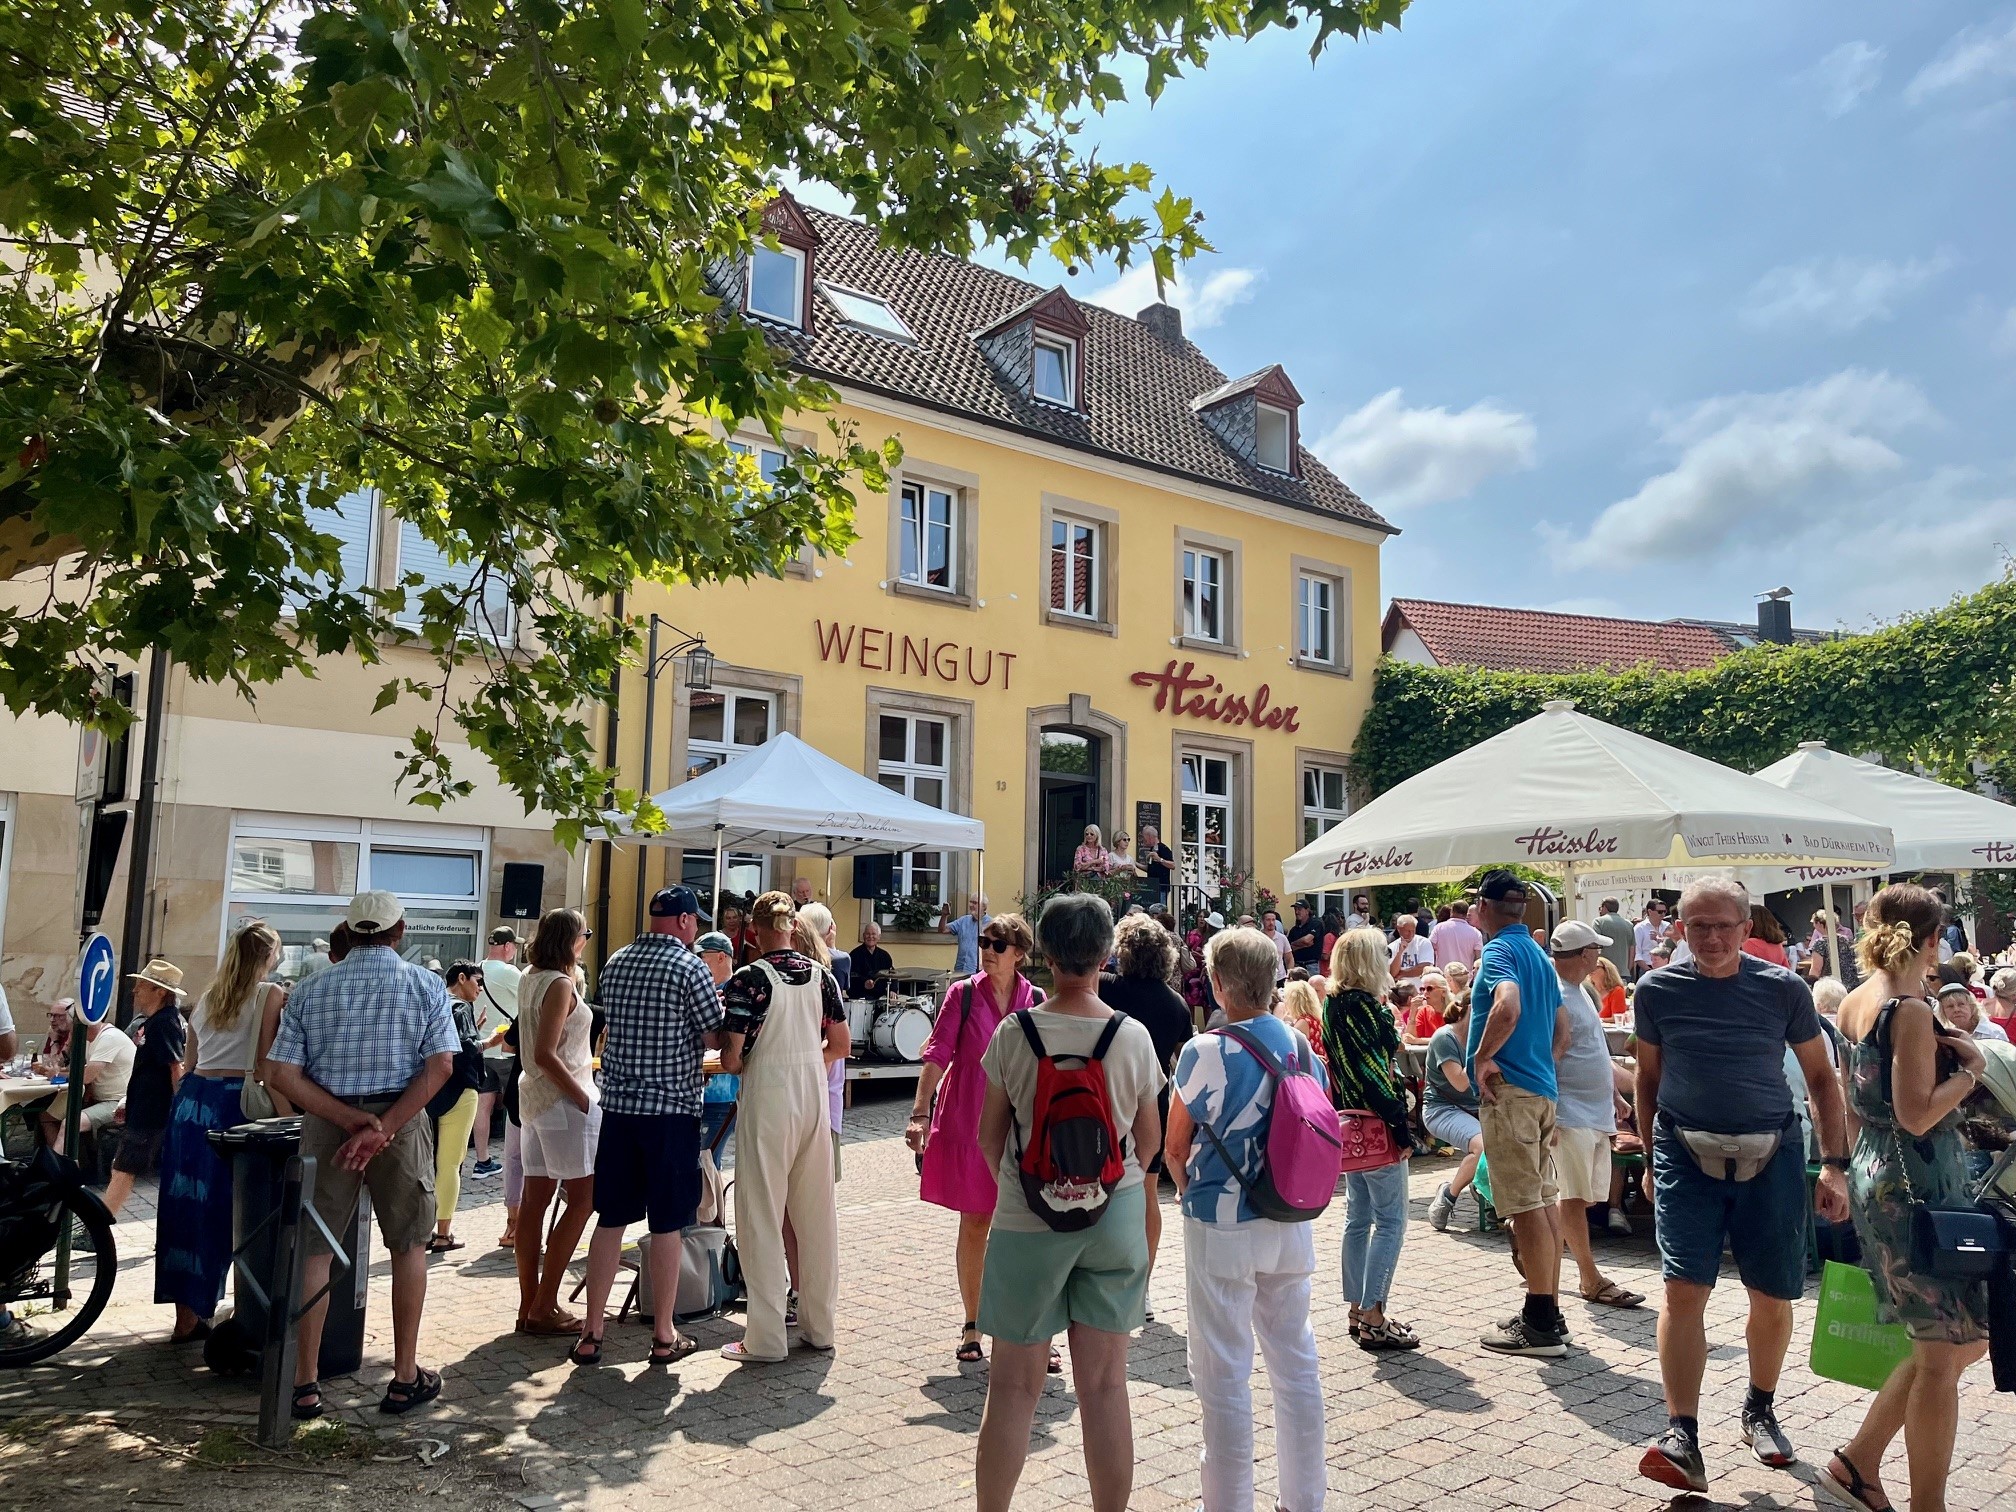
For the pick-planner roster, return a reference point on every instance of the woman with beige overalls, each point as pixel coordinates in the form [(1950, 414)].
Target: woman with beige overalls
[(783, 1023)]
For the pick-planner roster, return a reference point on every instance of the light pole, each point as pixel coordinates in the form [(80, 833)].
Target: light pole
[(699, 678)]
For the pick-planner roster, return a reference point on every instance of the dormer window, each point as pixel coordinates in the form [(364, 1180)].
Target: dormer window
[(1273, 438), (1056, 371), (777, 284)]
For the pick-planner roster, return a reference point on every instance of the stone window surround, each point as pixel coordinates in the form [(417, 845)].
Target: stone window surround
[(965, 489), (1107, 588), (958, 716), (1079, 716), (802, 564), (1240, 753), (1339, 577), (1232, 588), (788, 688)]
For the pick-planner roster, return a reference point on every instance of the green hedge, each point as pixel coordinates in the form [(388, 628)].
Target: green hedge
[(1936, 691)]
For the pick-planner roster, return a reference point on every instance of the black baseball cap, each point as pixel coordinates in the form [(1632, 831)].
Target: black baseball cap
[(1499, 885), (670, 902), (503, 934)]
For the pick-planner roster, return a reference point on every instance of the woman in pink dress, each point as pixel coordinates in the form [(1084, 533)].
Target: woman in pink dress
[(946, 1133)]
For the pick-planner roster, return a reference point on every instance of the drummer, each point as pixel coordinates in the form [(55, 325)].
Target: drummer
[(870, 964)]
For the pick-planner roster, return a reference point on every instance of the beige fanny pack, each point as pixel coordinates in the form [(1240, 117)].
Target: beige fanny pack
[(1730, 1157)]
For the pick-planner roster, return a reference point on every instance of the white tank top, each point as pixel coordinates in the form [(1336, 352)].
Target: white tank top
[(228, 1052)]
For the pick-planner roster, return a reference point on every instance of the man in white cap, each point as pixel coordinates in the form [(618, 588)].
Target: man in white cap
[(1586, 1106), (360, 1049)]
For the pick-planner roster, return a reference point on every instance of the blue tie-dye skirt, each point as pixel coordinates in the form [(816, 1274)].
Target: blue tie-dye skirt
[(192, 1234)]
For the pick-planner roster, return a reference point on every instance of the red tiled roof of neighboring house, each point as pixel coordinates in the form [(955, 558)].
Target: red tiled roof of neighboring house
[(1538, 640)]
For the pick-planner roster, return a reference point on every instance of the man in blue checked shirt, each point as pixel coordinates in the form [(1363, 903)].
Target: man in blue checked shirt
[(360, 1049)]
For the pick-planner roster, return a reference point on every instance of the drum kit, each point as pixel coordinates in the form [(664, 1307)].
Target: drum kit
[(895, 1029)]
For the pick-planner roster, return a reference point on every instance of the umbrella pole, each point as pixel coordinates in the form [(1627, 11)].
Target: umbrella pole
[(1833, 931), (714, 903), (980, 871), (829, 873)]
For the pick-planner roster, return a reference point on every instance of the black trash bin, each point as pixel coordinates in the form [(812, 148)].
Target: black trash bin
[(259, 1153)]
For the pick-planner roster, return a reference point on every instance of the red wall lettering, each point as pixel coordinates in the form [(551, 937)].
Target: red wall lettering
[(1187, 693)]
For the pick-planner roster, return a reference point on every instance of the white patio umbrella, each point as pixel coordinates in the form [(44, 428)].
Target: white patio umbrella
[(1565, 790)]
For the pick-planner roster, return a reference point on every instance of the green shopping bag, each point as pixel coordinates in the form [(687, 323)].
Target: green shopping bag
[(1849, 1345)]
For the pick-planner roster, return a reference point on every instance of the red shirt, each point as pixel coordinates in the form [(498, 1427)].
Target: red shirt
[(1426, 1021), (1764, 950)]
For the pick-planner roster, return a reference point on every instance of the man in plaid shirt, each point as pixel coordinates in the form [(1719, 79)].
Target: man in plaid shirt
[(663, 1014)]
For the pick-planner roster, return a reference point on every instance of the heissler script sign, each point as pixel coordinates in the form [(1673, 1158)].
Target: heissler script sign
[(1184, 692)]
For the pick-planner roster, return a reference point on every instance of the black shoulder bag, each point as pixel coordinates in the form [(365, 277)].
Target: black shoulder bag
[(1959, 1244)]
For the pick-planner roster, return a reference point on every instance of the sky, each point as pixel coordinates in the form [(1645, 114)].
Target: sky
[(1637, 308)]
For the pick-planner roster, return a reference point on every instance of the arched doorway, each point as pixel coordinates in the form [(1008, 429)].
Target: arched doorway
[(1076, 773)]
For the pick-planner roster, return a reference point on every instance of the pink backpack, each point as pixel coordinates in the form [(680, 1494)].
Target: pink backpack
[(1304, 1152)]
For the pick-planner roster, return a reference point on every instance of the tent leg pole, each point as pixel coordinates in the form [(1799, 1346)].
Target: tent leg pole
[(1833, 931), (980, 874), (829, 873), (714, 903)]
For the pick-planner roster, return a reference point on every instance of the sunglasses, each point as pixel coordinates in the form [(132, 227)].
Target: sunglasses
[(995, 942)]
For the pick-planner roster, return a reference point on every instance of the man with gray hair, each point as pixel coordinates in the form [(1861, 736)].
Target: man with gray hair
[(1711, 1090)]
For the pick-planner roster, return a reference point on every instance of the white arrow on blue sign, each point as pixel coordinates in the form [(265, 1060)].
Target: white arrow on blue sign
[(97, 980)]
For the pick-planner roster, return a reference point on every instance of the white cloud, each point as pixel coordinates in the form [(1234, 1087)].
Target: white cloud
[(1753, 467), (1845, 75), (1401, 458), (1979, 52), (1204, 302), (1840, 293)]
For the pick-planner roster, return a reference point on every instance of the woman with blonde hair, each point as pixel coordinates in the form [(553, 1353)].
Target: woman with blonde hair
[(1302, 1007), (1360, 1040), (1610, 987), (192, 1254), (784, 1024), (1907, 1079), (1089, 860)]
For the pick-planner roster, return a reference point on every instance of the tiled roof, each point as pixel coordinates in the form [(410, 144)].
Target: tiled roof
[(1138, 386), (1537, 640)]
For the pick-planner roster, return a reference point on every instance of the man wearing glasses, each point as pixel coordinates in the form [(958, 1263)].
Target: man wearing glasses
[(1645, 935), (1728, 1165)]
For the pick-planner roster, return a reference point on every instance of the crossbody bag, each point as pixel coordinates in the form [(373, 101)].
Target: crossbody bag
[(1960, 1244)]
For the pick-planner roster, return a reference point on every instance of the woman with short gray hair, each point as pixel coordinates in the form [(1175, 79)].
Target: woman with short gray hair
[(1040, 1280)]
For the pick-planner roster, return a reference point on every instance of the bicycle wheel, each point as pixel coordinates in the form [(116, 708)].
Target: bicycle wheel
[(30, 1293)]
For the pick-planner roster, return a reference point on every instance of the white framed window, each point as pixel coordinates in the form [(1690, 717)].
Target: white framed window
[(868, 312), (1273, 438), (928, 529), (777, 284), (724, 723), (1324, 805), (1205, 829), (352, 519), (1077, 557), (1055, 378), (914, 758), (1203, 594), (1316, 618), (298, 874), (490, 617)]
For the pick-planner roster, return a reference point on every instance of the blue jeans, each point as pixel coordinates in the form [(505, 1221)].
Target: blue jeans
[(1375, 1221), (1763, 1220)]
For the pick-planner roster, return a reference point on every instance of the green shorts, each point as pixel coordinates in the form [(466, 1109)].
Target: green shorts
[(1036, 1285)]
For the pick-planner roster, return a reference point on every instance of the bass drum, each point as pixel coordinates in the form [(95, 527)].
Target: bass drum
[(900, 1033), (860, 1023)]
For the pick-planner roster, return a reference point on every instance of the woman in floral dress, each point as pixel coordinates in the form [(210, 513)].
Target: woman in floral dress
[(1907, 1080)]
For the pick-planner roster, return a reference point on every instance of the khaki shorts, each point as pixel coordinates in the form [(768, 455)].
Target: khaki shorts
[(1583, 1159), (1519, 1143), (96, 1115), (400, 1178)]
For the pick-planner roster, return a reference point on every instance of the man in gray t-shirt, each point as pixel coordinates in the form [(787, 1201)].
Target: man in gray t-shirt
[(1711, 1051)]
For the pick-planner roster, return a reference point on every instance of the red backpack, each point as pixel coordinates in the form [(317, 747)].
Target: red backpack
[(1074, 1157)]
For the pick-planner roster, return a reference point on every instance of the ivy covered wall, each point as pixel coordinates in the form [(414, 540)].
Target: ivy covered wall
[(1936, 691)]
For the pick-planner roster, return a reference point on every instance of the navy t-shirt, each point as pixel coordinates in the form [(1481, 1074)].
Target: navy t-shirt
[(158, 1040), (1722, 1043)]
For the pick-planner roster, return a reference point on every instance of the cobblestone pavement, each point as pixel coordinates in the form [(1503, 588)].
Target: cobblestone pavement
[(889, 1419)]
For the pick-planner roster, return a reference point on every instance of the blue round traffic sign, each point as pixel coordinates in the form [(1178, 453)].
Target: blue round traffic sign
[(97, 980)]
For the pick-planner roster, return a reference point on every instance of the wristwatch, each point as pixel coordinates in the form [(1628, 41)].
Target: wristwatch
[(1834, 1162)]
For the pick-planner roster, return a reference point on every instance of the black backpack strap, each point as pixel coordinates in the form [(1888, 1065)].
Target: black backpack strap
[(1028, 1027), (1106, 1039)]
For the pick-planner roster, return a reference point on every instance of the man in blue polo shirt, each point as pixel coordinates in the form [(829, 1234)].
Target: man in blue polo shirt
[(1515, 1031)]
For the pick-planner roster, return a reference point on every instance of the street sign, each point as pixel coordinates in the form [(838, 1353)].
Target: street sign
[(97, 980)]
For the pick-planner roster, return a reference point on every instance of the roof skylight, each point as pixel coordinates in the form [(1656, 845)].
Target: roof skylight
[(870, 312)]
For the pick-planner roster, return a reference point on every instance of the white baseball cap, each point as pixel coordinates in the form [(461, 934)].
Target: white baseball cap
[(1572, 935), (1215, 919), (374, 912)]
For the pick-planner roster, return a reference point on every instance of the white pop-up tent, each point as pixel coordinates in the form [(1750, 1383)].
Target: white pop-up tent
[(786, 798), (1565, 790)]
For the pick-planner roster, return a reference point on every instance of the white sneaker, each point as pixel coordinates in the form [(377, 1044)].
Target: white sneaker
[(1440, 1206), (1618, 1224)]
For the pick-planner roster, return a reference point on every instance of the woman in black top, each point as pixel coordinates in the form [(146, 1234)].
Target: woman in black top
[(1146, 952)]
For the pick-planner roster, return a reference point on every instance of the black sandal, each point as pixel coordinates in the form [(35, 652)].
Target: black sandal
[(305, 1410), (1056, 1365), (403, 1396), (587, 1350), (665, 1351), (970, 1351), (1854, 1493)]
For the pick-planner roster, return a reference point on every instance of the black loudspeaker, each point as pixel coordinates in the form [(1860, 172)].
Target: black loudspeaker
[(874, 876), (524, 881)]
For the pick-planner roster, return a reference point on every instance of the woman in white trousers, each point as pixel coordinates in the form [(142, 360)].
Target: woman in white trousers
[(783, 1142)]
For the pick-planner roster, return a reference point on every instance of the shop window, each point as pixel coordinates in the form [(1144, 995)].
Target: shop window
[(1206, 832), (914, 758), (1077, 558), (299, 876), (928, 529), (1203, 595)]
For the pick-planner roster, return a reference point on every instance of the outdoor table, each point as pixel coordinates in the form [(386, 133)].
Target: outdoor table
[(16, 1090), (1616, 1037)]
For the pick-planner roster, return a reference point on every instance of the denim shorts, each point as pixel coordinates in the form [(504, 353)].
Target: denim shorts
[(1763, 1219)]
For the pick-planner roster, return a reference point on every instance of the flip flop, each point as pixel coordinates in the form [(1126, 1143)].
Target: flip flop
[(1610, 1294), (403, 1396), (1856, 1493)]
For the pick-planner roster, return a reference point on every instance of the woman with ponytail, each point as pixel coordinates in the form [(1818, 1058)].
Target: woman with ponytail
[(1908, 1076)]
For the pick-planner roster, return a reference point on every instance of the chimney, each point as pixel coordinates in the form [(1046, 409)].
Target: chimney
[(1165, 320), (1774, 617)]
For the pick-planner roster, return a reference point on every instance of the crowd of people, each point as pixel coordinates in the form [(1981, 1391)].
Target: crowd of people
[(1047, 1120)]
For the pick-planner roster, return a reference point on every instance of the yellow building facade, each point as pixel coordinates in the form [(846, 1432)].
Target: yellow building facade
[(1085, 598)]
